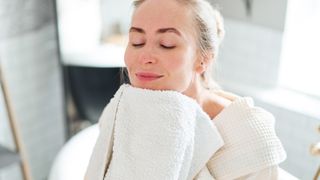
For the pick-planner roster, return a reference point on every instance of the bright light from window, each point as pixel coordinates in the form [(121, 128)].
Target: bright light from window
[(300, 68)]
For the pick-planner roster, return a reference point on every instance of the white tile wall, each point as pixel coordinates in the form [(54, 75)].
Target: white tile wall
[(18, 17), (268, 13), (28, 52), (297, 132), (249, 54), (12, 172), (34, 79), (248, 64), (6, 139)]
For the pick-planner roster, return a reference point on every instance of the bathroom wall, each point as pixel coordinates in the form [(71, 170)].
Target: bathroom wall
[(30, 63), (249, 54), (266, 13), (297, 132), (248, 65)]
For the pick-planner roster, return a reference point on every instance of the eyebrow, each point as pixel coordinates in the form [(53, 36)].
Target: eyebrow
[(162, 30), (135, 29)]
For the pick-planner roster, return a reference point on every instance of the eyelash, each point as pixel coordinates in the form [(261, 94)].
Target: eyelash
[(167, 47), (163, 46), (137, 45)]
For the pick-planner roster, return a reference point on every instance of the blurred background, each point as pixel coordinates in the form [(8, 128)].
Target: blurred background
[(60, 63)]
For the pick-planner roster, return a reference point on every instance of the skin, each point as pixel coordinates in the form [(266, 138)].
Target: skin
[(162, 53)]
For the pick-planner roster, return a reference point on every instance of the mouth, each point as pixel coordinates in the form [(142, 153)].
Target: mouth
[(147, 76)]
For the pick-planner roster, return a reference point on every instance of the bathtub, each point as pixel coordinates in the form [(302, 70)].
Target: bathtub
[(72, 160)]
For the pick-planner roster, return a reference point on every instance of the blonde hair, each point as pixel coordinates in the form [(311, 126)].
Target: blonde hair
[(210, 28)]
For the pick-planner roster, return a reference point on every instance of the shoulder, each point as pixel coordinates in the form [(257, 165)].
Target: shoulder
[(227, 95), (243, 107), (216, 101), (238, 112), (243, 116)]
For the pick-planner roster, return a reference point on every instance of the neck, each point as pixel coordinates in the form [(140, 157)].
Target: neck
[(197, 91), (210, 102)]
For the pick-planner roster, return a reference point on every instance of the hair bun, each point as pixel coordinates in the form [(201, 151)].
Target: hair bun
[(219, 25)]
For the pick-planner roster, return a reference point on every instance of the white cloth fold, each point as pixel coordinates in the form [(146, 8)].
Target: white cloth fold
[(166, 135), (157, 135), (250, 141)]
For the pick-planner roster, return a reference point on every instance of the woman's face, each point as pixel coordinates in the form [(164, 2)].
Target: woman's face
[(161, 53)]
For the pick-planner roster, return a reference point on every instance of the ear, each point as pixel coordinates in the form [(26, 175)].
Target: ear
[(203, 62)]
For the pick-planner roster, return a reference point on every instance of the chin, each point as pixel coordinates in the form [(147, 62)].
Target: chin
[(144, 86), (150, 85)]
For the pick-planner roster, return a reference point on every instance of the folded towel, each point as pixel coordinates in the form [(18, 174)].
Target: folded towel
[(157, 135)]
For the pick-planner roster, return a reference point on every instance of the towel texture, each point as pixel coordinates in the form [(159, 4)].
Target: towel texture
[(250, 141), (165, 135), (157, 135)]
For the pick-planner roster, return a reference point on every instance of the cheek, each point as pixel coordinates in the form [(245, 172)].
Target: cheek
[(182, 63), (127, 59), (181, 71), (174, 60)]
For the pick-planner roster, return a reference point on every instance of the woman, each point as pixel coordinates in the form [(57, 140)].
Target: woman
[(173, 122)]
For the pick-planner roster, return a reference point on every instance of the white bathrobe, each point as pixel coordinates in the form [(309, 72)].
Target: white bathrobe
[(165, 135)]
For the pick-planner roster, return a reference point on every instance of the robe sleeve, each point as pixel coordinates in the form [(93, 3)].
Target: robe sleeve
[(251, 144)]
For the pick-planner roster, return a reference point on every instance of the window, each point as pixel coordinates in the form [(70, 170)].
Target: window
[(300, 59)]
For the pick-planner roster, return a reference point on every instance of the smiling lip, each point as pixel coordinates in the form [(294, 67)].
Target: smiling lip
[(146, 76)]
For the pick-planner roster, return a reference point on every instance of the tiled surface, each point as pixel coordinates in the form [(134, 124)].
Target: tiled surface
[(250, 58), (260, 12), (297, 132), (25, 16), (249, 54), (12, 172), (28, 53), (6, 139)]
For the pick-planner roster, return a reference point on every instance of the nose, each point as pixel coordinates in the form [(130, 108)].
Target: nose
[(147, 57)]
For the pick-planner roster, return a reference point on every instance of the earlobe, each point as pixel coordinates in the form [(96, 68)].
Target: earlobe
[(201, 67), (203, 62)]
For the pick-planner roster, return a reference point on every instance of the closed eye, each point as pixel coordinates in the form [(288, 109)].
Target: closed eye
[(137, 45), (167, 47)]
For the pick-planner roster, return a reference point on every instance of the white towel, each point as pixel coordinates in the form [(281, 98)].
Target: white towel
[(157, 135)]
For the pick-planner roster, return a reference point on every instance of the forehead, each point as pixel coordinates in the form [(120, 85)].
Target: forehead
[(155, 14)]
